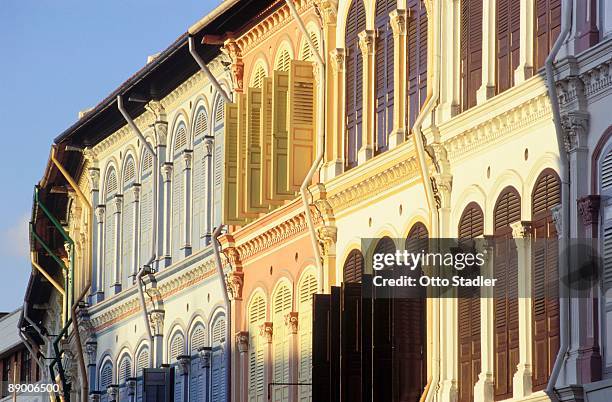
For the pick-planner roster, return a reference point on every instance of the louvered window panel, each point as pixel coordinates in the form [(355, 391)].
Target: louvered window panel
[(307, 54), (606, 172), (353, 267), (218, 161), (177, 347), (258, 76), (283, 60), (109, 230), (547, 28), (197, 374), (384, 74), (470, 51), (198, 339), (200, 177), (142, 362), (256, 318), (280, 341), (127, 233), (354, 83), (106, 376), (545, 278), (506, 326), (178, 193), (508, 24), (280, 88), (219, 374), (125, 370), (146, 209), (307, 288)]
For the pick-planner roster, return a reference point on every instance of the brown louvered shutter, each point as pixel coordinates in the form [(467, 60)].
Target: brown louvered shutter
[(508, 24), (470, 51), (506, 344), (471, 225), (354, 82), (547, 27), (321, 347), (545, 278), (384, 74), (417, 58), (353, 267)]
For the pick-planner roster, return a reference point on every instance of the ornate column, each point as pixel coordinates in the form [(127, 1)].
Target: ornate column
[(209, 146), (265, 331), (522, 233), (367, 40), (166, 212), (161, 135), (100, 212), (135, 230), (291, 321), (183, 365), (91, 347), (525, 67), (118, 203), (334, 162), (399, 20), (242, 369), (94, 185), (484, 388), (487, 88), (156, 319), (235, 53), (187, 160)]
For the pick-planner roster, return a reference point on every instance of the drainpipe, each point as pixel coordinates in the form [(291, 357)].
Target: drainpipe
[(564, 173), (34, 350), (146, 268), (228, 309), (433, 94), (304, 192), (206, 70)]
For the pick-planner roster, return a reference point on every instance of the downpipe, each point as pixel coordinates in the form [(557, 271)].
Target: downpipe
[(433, 95), (206, 70), (146, 268), (228, 309), (564, 311), (304, 193)]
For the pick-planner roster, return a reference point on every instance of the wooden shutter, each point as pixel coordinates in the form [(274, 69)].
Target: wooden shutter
[(301, 127), (146, 208), (321, 348), (350, 339), (384, 74), (178, 192), (280, 87), (200, 181), (142, 362), (219, 383), (353, 267), (471, 225), (508, 24), (547, 28), (470, 51), (109, 230), (266, 196), (256, 317), (230, 158), (280, 343), (354, 82), (218, 162), (545, 278), (307, 288), (417, 58), (252, 191), (506, 345)]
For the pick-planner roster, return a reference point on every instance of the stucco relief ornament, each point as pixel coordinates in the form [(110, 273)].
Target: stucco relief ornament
[(184, 362), (131, 386), (398, 19), (242, 340), (209, 145), (265, 330), (187, 159), (91, 349), (156, 318), (328, 9), (235, 281), (136, 191), (291, 321), (166, 171), (100, 209), (588, 208), (337, 57), (118, 203), (366, 42), (112, 393), (521, 229), (557, 217), (234, 52), (94, 179), (94, 397), (328, 236), (575, 125)]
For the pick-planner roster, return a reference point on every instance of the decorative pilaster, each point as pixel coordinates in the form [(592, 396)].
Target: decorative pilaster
[(91, 348), (166, 212), (183, 366), (334, 161), (328, 236), (130, 384), (242, 342), (522, 233), (100, 214), (367, 40), (135, 230), (156, 319), (235, 282), (588, 209), (209, 146), (265, 331), (399, 21), (118, 204), (94, 396), (232, 49), (291, 323), (187, 161), (161, 136)]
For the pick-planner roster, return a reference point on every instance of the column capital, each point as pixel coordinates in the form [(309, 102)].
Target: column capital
[(291, 321), (184, 362), (328, 236), (588, 208), (187, 159), (156, 318), (366, 42), (112, 392), (158, 110), (118, 203), (265, 331), (232, 49), (575, 125), (100, 209), (209, 144), (328, 10), (337, 59), (94, 179), (235, 282), (136, 190), (399, 21), (242, 340), (522, 229), (557, 217), (161, 133), (91, 348), (166, 171)]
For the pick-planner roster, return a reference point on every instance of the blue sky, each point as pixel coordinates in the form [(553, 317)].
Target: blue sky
[(58, 57)]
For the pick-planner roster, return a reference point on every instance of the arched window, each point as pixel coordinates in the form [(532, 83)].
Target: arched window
[(605, 191), (417, 59), (142, 362), (127, 223), (506, 346), (306, 53), (547, 28), (283, 60), (202, 181), (281, 306), (218, 371), (146, 208), (178, 193), (219, 115), (353, 267), (384, 73), (508, 41), (198, 381), (106, 376), (111, 190), (471, 51), (176, 348), (471, 225), (258, 76), (354, 82), (545, 277), (307, 287), (124, 372), (256, 318)]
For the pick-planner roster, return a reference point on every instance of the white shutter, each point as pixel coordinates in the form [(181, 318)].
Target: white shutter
[(308, 287), (106, 376), (125, 372), (197, 374), (280, 340), (146, 209), (218, 361), (218, 162), (199, 180), (141, 363), (127, 233), (257, 316), (109, 229)]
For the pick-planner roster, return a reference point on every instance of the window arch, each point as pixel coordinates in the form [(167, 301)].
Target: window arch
[(110, 231), (146, 207), (256, 318), (218, 371), (506, 347), (306, 53), (127, 223), (178, 192), (354, 82), (353, 267), (282, 61), (257, 78), (219, 117), (471, 225), (417, 58), (106, 376), (307, 287), (198, 381), (281, 306), (545, 277), (124, 371), (384, 73), (202, 165), (470, 51), (508, 26), (604, 184), (142, 362)]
